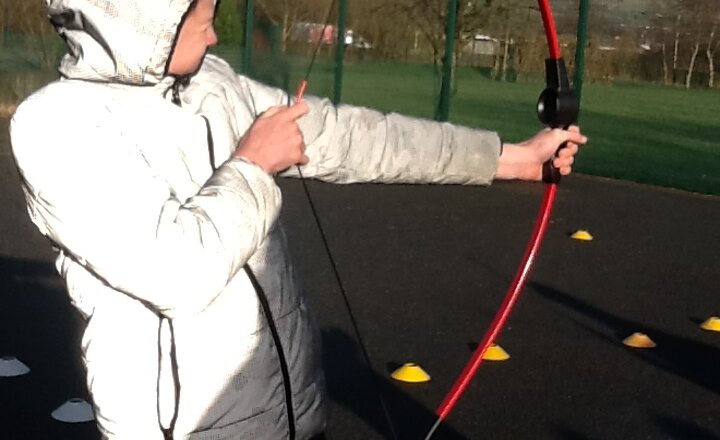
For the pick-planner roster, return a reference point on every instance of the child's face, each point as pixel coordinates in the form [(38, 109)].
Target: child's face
[(195, 36)]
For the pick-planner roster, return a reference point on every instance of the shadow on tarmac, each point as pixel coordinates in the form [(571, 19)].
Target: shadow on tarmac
[(409, 418), (565, 433), (40, 327), (691, 360), (677, 428)]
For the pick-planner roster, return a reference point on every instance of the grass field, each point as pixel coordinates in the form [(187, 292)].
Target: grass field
[(645, 133)]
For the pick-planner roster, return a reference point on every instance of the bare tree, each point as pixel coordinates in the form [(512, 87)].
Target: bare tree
[(390, 32), (679, 40), (712, 47), (701, 22), (287, 13), (676, 48), (691, 65), (663, 34), (428, 17), (669, 25), (509, 18)]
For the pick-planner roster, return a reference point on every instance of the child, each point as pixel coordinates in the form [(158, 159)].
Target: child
[(150, 166)]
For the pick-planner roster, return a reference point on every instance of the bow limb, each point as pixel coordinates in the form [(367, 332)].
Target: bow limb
[(557, 107)]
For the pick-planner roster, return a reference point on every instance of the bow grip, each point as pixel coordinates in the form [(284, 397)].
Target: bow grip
[(557, 107)]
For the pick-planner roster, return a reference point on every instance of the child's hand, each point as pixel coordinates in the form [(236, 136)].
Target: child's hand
[(525, 160), (274, 141)]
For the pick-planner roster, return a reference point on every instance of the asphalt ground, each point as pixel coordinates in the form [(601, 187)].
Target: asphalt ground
[(424, 269)]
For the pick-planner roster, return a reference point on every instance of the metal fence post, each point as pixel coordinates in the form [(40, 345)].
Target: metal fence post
[(443, 109), (248, 43), (580, 49), (340, 50), (6, 23)]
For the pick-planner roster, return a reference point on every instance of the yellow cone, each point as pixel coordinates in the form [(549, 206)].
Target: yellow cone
[(639, 340), (495, 353), (582, 235), (712, 324), (410, 372)]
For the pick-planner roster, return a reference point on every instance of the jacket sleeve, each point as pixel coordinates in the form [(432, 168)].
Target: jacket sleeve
[(89, 190), (349, 144)]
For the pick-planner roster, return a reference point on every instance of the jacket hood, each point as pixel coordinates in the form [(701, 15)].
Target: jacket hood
[(125, 41)]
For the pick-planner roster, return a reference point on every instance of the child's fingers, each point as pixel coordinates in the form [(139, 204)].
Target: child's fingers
[(296, 110), (575, 137), (271, 111), (570, 149), (562, 162)]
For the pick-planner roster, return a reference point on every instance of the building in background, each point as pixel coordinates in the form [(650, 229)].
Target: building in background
[(314, 33)]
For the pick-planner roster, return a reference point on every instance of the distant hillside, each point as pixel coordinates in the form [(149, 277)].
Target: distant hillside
[(616, 11), (607, 16)]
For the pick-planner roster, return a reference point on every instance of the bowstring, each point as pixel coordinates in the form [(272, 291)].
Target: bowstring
[(300, 93)]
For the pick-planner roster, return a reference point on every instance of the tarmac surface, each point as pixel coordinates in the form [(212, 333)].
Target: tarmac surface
[(424, 269)]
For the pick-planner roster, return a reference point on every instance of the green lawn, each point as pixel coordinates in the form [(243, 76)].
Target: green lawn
[(645, 133)]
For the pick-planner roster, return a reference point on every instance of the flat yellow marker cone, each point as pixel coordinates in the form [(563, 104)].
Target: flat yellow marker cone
[(410, 372), (495, 353), (712, 324), (639, 340), (582, 235)]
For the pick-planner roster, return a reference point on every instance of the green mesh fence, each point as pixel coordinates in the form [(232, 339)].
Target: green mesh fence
[(650, 96), (27, 62)]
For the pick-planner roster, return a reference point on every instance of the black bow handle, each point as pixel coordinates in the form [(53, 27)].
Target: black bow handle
[(557, 107)]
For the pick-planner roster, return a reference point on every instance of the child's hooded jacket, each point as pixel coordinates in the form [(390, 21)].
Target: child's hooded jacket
[(168, 244)]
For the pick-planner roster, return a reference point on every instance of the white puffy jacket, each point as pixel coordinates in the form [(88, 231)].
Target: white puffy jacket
[(154, 223)]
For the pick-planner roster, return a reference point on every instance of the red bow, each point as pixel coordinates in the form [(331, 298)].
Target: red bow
[(557, 107)]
